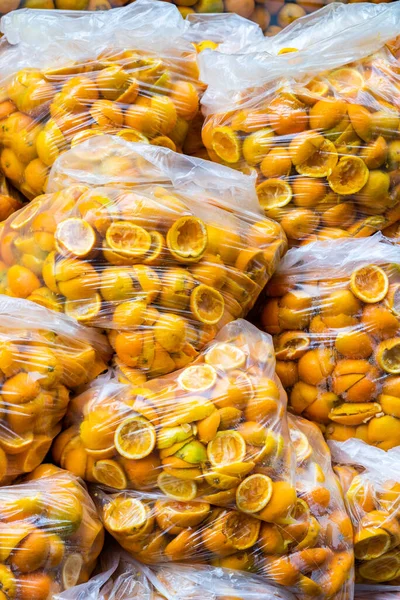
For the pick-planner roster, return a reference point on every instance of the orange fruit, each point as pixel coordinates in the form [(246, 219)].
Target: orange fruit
[(387, 355), (354, 344), (313, 155), (170, 331), (281, 503), (34, 586), (231, 531), (126, 515), (128, 240), (181, 514), (280, 570), (198, 378), (254, 493), (291, 345), (226, 144), (257, 145), (381, 569), (225, 356), (327, 113), (21, 281), (316, 365), (274, 193), (277, 163), (187, 239), (75, 236), (207, 304), (287, 115), (349, 176), (176, 488), (379, 321), (308, 192), (135, 438), (185, 98), (142, 473), (227, 448), (20, 389), (32, 552), (370, 284), (109, 473)]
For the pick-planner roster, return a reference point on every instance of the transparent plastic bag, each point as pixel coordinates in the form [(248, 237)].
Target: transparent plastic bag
[(160, 249), (370, 478), (69, 76), (326, 565), (309, 552), (319, 124), (332, 309), (214, 431), (50, 535), (129, 580), (42, 357)]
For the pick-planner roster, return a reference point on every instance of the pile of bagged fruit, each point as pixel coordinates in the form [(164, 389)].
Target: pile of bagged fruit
[(199, 301)]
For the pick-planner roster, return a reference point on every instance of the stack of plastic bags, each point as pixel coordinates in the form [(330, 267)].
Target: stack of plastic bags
[(125, 280)]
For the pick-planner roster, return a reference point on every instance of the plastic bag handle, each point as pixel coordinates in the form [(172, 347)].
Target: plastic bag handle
[(44, 29)]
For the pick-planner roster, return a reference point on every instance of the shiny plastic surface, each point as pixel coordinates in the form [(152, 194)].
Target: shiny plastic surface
[(42, 357), (159, 249), (215, 430), (68, 76), (332, 308), (318, 123), (50, 535), (370, 478), (308, 551)]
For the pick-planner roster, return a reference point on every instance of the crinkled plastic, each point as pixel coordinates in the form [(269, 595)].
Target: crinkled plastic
[(68, 76), (227, 32), (43, 356), (319, 124), (126, 579), (370, 479), (333, 311), (309, 552), (160, 249), (325, 561), (214, 431), (50, 535)]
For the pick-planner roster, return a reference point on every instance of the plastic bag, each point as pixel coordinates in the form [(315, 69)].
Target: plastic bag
[(69, 76), (50, 535), (129, 580), (160, 249), (215, 430), (309, 552), (319, 124), (326, 565), (333, 312), (370, 478), (42, 357)]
